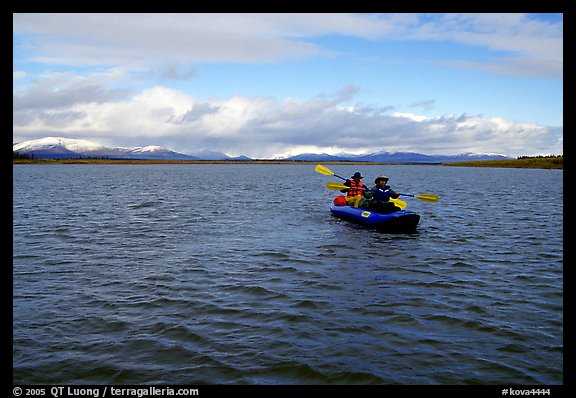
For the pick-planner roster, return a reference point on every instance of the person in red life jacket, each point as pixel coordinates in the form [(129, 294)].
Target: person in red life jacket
[(356, 190), (378, 198)]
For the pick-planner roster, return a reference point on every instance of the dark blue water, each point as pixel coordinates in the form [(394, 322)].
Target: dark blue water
[(235, 274)]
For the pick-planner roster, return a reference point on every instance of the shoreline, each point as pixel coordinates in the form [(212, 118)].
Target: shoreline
[(166, 161), (533, 163)]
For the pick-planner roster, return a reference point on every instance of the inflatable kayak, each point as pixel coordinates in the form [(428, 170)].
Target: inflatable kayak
[(398, 221)]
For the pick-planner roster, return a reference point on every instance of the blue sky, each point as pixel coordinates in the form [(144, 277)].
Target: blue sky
[(270, 85)]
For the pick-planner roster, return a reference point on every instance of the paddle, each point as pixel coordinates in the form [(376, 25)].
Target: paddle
[(426, 197), (326, 171), (334, 186)]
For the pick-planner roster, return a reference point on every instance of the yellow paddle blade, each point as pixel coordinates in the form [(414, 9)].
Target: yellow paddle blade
[(400, 203), (336, 186), (428, 197), (324, 170)]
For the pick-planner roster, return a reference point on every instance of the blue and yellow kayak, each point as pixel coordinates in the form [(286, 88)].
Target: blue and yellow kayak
[(399, 221)]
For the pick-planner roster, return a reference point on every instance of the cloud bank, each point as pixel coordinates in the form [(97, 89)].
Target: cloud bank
[(105, 92), (259, 126)]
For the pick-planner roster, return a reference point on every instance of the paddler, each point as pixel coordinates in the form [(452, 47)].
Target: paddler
[(356, 190), (378, 198)]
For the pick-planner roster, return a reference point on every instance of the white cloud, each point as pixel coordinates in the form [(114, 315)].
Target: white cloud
[(113, 104), (145, 39), (64, 89), (527, 45), (266, 126), (522, 44)]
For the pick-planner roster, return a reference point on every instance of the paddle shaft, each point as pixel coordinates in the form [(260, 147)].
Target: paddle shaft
[(326, 171), (342, 178)]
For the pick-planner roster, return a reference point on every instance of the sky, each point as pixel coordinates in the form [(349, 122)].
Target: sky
[(275, 85)]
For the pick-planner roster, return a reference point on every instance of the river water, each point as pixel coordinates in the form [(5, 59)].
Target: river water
[(238, 274)]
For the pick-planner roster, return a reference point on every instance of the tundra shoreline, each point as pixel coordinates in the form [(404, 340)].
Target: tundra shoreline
[(532, 163)]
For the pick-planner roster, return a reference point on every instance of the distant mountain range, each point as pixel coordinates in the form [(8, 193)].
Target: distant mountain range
[(398, 157), (66, 148)]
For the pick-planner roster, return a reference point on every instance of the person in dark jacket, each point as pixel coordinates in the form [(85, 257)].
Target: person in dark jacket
[(378, 198)]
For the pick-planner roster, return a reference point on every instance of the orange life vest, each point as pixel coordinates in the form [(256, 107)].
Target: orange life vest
[(356, 189)]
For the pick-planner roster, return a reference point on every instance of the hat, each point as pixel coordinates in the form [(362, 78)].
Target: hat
[(357, 174), (380, 178)]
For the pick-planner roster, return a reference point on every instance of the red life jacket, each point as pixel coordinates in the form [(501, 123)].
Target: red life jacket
[(356, 189)]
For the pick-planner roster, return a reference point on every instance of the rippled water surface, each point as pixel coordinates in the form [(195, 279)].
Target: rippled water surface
[(235, 274)]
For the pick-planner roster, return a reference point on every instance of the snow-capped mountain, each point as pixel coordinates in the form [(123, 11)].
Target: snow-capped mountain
[(56, 144), (65, 148)]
